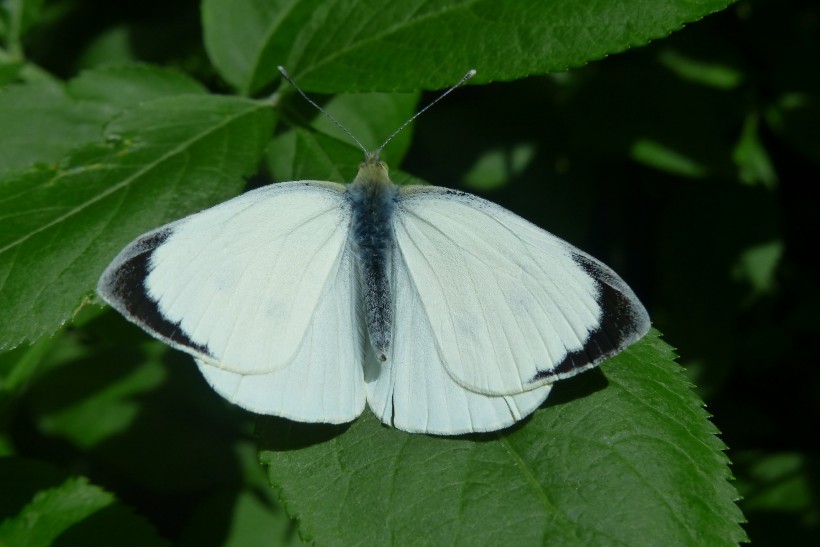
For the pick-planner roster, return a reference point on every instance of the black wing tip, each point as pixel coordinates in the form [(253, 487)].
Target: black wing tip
[(122, 286), (623, 322)]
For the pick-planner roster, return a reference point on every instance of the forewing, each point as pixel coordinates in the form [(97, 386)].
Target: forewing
[(510, 305), (412, 391), (236, 285), (325, 382)]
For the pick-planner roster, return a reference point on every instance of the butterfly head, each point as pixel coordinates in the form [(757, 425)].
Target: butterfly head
[(373, 170)]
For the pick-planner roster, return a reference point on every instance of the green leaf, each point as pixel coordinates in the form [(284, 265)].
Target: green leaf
[(656, 154), (381, 45), (42, 505), (795, 117), (106, 383), (16, 16), (61, 225), (125, 86), (244, 38), (22, 478), (73, 513), (324, 152), (497, 167), (783, 481), (709, 73), (41, 123), (112, 47), (253, 523), (19, 367), (780, 495), (372, 118), (622, 455), (10, 68), (53, 511), (757, 266), (256, 518), (302, 154), (44, 120), (111, 401), (753, 162)]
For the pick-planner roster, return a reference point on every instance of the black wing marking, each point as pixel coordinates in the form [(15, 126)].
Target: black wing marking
[(123, 286), (623, 321)]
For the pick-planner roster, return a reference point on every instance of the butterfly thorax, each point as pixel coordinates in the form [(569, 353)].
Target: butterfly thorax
[(373, 199)]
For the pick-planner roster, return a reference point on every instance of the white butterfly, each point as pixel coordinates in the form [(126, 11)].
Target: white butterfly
[(446, 313)]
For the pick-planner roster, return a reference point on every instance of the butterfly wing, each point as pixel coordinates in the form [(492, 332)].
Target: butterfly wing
[(325, 383), (412, 390), (237, 286), (510, 306)]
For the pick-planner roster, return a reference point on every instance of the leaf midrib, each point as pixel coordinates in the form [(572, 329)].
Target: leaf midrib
[(128, 180), (522, 466)]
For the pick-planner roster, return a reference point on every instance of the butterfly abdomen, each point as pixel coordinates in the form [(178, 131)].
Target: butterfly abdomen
[(373, 203)]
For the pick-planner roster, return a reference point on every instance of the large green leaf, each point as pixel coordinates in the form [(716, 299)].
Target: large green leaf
[(62, 224), (123, 86), (244, 39), (44, 120), (622, 455), (41, 123), (386, 45)]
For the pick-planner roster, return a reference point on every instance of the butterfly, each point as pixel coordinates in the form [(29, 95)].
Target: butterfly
[(442, 311)]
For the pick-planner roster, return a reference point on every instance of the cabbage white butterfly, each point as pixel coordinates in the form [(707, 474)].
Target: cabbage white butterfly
[(442, 311)]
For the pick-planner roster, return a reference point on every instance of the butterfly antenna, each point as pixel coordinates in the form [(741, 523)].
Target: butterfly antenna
[(287, 77), (466, 77)]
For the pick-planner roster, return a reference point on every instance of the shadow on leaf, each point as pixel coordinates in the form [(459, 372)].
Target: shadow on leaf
[(281, 434), (576, 387)]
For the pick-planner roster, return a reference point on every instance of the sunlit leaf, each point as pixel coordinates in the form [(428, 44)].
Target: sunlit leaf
[(623, 457)]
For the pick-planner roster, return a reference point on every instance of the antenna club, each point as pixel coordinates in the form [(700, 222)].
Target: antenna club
[(284, 73), (466, 77)]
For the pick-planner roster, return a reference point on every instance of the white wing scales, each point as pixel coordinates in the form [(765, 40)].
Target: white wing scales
[(263, 291), (325, 383), (236, 285), (508, 303), (412, 389)]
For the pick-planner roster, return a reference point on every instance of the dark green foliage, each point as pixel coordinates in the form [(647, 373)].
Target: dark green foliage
[(690, 165)]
